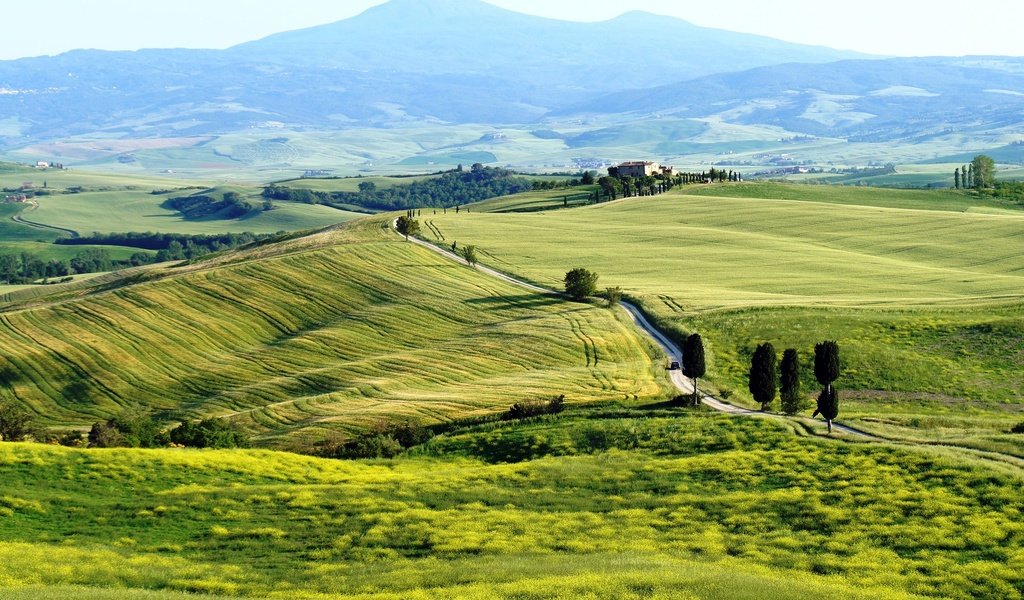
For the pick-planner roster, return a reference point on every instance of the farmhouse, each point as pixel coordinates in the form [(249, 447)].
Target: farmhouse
[(17, 198), (644, 169)]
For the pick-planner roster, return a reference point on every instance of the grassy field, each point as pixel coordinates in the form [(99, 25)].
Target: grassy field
[(16, 238), (928, 305), (327, 332), (350, 184), (945, 201), (613, 503), (142, 211)]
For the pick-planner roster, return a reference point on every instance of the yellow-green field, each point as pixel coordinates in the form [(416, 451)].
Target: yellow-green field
[(326, 332), (927, 305), (628, 503), (106, 212)]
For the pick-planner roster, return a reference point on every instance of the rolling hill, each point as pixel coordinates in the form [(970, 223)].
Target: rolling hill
[(923, 290), (328, 332)]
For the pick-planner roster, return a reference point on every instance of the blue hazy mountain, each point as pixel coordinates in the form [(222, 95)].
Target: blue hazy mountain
[(448, 60)]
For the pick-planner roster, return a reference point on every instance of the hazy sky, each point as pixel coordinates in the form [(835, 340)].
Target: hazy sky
[(896, 27)]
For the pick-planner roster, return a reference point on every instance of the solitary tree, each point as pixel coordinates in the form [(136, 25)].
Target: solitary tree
[(407, 226), (613, 295), (763, 378), (469, 254), (580, 283), (693, 362), (826, 370), (790, 382), (984, 169)]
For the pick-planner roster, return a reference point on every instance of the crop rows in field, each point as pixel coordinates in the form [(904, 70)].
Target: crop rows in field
[(331, 337)]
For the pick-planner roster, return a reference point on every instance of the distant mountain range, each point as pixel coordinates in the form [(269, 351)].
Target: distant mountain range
[(859, 100), (451, 62)]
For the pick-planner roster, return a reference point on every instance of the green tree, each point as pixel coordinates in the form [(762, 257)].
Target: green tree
[(16, 423), (984, 169), (693, 362), (956, 178), (826, 371), (469, 254), (790, 382), (587, 178), (763, 383), (580, 283), (970, 176), (407, 226), (613, 295)]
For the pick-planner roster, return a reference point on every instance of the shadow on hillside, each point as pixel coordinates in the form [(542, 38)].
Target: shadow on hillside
[(519, 301)]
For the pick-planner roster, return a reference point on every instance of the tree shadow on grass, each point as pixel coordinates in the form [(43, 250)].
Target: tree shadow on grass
[(520, 301)]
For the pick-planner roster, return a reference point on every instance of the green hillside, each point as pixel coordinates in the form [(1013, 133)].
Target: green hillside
[(598, 504), (326, 332), (926, 304)]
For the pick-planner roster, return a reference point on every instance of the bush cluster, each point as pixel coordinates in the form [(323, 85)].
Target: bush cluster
[(534, 408), (385, 439)]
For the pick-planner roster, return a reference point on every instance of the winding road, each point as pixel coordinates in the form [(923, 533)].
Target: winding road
[(671, 350), (684, 385), (35, 205)]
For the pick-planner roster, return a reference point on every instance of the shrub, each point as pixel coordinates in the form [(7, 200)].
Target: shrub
[(210, 433), (613, 295), (131, 429), (1018, 428), (534, 408), (384, 440)]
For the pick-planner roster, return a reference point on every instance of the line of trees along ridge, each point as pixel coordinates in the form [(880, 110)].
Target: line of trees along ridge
[(453, 188)]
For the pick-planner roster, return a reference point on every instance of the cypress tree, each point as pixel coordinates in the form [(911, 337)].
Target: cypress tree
[(790, 380), (970, 177), (956, 178), (693, 362), (828, 405), (763, 377), (826, 370)]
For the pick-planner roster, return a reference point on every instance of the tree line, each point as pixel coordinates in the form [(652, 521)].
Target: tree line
[(165, 241), (27, 267), (453, 188), (129, 429), (613, 186), (980, 174)]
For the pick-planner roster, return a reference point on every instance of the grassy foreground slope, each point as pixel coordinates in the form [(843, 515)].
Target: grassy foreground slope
[(328, 331), (595, 504), (928, 305)]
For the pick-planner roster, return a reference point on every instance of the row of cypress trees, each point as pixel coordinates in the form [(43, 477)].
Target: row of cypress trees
[(765, 377)]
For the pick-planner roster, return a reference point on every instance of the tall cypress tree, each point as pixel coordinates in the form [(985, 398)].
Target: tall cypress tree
[(763, 377), (790, 382), (971, 181), (693, 362), (826, 370), (956, 178)]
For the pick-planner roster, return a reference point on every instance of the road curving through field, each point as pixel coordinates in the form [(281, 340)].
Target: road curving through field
[(667, 346)]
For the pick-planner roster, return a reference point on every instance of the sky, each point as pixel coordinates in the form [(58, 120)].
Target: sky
[(886, 27)]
